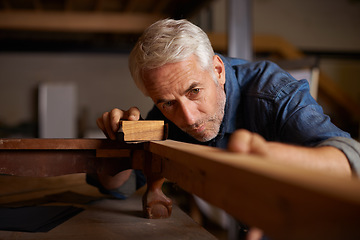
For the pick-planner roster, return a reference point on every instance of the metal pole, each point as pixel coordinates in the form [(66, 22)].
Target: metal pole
[(240, 29), (239, 46)]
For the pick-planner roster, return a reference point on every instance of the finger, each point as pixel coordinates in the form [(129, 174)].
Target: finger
[(107, 124), (254, 234), (133, 114), (259, 145), (240, 141), (114, 119)]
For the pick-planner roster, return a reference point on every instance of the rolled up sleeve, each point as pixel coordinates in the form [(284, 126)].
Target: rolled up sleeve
[(350, 147)]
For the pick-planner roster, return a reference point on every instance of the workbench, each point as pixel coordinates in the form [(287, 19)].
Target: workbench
[(285, 201)]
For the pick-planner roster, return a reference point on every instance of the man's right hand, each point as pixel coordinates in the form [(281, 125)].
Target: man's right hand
[(109, 121)]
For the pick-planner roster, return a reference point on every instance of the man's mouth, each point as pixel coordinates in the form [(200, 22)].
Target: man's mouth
[(199, 128), (196, 128)]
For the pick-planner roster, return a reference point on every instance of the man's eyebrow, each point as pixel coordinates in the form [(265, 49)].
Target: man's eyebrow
[(192, 86), (161, 101)]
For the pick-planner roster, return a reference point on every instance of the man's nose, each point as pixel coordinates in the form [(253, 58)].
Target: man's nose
[(187, 112)]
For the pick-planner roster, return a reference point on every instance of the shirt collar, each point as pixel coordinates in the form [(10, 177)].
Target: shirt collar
[(232, 91)]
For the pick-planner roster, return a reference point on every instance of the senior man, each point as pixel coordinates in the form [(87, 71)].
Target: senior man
[(247, 107)]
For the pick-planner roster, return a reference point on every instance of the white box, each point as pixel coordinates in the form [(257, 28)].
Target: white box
[(57, 110)]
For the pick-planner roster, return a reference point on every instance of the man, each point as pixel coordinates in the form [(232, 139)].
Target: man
[(253, 108)]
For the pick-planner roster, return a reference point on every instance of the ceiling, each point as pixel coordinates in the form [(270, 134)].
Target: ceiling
[(88, 25)]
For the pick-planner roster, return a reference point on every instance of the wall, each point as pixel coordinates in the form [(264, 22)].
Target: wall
[(330, 25), (321, 25), (103, 82)]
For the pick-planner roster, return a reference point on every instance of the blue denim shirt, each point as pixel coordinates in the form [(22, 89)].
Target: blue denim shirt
[(263, 98)]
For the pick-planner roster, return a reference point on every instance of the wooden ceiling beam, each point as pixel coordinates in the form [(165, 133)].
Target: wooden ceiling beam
[(77, 21)]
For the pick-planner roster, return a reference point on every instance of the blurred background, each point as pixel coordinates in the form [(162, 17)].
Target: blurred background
[(64, 62)]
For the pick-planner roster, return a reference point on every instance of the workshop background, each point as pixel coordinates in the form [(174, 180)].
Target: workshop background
[(90, 66)]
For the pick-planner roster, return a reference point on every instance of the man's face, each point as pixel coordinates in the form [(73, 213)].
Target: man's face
[(188, 95)]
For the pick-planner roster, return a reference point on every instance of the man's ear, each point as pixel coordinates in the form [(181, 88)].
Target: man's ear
[(219, 69)]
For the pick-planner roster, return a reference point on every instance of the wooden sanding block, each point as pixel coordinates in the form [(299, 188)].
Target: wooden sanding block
[(142, 130)]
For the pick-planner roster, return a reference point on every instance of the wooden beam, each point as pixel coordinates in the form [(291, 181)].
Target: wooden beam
[(55, 157), (286, 202), (63, 144), (77, 21)]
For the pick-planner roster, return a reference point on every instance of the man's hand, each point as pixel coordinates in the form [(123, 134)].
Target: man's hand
[(109, 121), (327, 159), (243, 141), (109, 124)]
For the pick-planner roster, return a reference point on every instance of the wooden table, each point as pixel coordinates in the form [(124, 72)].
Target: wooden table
[(55, 157)]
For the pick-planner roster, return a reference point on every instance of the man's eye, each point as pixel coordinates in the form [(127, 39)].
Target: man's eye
[(195, 91), (167, 104)]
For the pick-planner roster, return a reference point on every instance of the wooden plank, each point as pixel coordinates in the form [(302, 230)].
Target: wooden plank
[(142, 130), (64, 144), (113, 153), (46, 163), (77, 21), (286, 202), (55, 157)]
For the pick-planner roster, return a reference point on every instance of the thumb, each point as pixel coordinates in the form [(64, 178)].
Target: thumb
[(240, 141)]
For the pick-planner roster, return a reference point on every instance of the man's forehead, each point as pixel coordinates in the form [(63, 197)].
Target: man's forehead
[(190, 61)]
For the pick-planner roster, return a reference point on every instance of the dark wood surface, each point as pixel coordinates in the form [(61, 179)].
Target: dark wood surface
[(64, 144), (55, 157)]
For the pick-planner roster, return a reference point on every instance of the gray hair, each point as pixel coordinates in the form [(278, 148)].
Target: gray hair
[(168, 41)]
